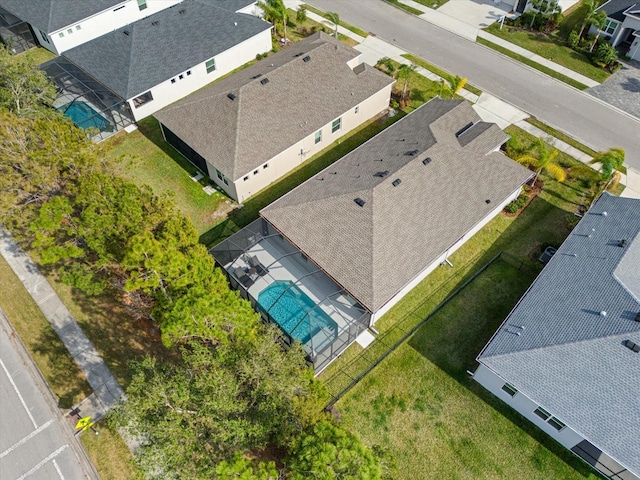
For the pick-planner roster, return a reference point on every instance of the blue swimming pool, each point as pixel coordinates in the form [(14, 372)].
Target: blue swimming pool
[(84, 116), (289, 307)]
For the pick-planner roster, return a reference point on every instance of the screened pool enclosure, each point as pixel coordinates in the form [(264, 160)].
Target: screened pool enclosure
[(88, 103), (288, 289)]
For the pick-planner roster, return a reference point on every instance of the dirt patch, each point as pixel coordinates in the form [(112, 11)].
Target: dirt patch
[(221, 212)]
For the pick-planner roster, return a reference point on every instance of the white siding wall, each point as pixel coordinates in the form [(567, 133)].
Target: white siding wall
[(166, 92), (525, 406), (104, 22), (430, 268), (284, 162)]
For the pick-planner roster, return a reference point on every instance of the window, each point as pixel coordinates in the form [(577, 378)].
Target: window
[(557, 424), (61, 34), (542, 413), (142, 4), (357, 109), (219, 174), (224, 179), (211, 65), (173, 80), (246, 178), (70, 31), (44, 36), (510, 389), (180, 76), (609, 27), (318, 136), (188, 72), (265, 166), (336, 125), (142, 99), (78, 27), (255, 172)]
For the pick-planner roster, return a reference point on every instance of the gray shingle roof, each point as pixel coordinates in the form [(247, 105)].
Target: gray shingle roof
[(262, 121), (569, 358), (53, 15), (164, 44), (375, 250), (615, 8)]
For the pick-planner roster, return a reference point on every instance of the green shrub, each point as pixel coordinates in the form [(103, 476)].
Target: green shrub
[(574, 39), (517, 204), (605, 55), (301, 14)]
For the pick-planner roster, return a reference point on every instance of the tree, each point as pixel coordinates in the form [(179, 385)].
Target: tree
[(404, 73), (329, 452), (588, 10), (610, 160), (241, 468), (334, 18), (301, 14), (454, 84), (545, 160), (598, 20), (24, 89), (275, 12)]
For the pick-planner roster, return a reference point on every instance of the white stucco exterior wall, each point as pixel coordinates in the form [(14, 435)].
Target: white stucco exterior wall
[(104, 22), (166, 92), (306, 148), (521, 403), (430, 268)]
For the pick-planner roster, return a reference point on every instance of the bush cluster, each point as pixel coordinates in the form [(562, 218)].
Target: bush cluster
[(518, 204)]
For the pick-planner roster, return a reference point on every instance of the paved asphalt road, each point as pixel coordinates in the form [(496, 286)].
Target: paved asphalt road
[(35, 442), (557, 104)]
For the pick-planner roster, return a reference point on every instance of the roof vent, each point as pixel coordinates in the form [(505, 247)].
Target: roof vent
[(622, 243), (426, 161), (603, 313), (396, 182), (264, 81), (155, 23), (257, 75), (381, 174), (604, 214), (464, 129), (633, 346), (126, 32), (487, 201), (299, 54), (359, 201), (306, 59), (182, 11), (231, 96), (411, 153)]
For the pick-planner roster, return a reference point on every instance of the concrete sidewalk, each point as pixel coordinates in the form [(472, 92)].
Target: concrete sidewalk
[(106, 390)]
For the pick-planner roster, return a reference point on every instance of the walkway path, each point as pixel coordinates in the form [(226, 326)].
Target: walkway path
[(106, 390)]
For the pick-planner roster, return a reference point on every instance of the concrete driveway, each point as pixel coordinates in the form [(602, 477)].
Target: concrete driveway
[(478, 13), (622, 89)]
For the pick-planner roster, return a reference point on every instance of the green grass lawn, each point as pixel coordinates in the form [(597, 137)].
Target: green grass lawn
[(429, 416), (64, 377), (39, 55), (143, 157), (346, 25), (109, 454), (438, 71), (551, 47)]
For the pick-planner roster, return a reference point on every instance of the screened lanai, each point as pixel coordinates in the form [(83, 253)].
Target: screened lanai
[(288, 289), (88, 103), (15, 33)]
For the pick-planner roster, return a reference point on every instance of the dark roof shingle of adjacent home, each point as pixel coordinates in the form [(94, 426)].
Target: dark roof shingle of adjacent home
[(562, 345), (309, 84), (53, 15), (422, 191), (615, 8), (139, 56)]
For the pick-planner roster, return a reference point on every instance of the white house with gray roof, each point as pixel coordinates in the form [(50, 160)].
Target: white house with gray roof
[(341, 249), (251, 128), (155, 61), (568, 355), (59, 25), (622, 27)]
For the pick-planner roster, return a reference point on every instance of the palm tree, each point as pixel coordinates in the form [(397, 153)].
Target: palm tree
[(388, 65), (454, 84), (589, 8), (598, 20), (334, 18), (404, 72), (544, 161), (610, 160), (275, 12)]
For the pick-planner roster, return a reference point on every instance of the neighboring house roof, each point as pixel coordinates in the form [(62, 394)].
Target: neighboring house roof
[(52, 15), (615, 8), (309, 85), (139, 56), (375, 250), (558, 349)]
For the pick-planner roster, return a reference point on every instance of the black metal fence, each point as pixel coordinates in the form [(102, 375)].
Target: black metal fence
[(340, 382)]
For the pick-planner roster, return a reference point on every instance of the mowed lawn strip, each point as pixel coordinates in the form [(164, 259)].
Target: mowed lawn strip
[(421, 406), (64, 377), (144, 158), (109, 454)]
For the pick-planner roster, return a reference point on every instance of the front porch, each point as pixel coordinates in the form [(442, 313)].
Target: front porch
[(288, 289)]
